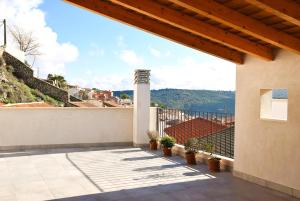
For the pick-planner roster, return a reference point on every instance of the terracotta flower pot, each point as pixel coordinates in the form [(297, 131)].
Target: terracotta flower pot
[(167, 151), (153, 145), (190, 158), (214, 164)]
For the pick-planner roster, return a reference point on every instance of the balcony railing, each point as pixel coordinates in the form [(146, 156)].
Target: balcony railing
[(209, 127)]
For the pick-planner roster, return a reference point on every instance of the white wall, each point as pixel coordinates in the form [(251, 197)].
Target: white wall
[(153, 119), (267, 149), (279, 108), (52, 126)]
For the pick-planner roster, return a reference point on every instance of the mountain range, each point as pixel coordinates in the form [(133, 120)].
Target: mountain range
[(192, 100)]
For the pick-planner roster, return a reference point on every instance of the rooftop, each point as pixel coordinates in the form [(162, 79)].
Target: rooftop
[(122, 173)]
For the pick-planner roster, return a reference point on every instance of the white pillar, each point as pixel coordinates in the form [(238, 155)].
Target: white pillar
[(141, 112)]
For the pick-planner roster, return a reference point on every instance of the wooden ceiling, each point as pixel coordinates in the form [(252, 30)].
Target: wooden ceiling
[(228, 29)]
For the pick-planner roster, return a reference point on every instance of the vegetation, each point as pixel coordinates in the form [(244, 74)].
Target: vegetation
[(153, 135), (96, 89), (58, 80), (124, 96), (168, 141), (191, 145), (194, 100), (40, 96), (209, 148), (13, 90), (160, 105), (25, 41)]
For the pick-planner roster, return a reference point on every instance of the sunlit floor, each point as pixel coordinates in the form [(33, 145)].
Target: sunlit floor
[(117, 174)]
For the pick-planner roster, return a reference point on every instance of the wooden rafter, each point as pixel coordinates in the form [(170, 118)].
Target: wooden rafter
[(125, 16), (238, 21), (288, 10), (190, 24)]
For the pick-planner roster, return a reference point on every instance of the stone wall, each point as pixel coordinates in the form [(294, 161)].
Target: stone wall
[(21, 70), (24, 72), (73, 98)]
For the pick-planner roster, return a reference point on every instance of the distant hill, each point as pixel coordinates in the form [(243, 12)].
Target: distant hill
[(195, 100)]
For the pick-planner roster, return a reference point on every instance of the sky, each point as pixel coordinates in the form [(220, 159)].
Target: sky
[(93, 51)]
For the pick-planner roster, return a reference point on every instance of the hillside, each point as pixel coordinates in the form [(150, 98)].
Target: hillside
[(196, 100), (13, 90)]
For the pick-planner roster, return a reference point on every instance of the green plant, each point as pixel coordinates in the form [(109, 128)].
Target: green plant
[(168, 141), (191, 145), (124, 96), (210, 148), (153, 136)]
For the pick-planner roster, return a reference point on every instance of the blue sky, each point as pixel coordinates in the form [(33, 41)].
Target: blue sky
[(104, 53)]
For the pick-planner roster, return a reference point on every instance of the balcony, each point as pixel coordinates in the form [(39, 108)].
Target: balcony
[(117, 173), (87, 154)]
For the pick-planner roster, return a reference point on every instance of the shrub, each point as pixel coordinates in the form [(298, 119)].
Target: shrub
[(153, 135), (191, 145), (167, 141)]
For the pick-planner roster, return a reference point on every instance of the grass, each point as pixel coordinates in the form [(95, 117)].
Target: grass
[(15, 91)]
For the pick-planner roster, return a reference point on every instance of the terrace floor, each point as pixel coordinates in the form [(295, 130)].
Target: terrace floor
[(118, 174)]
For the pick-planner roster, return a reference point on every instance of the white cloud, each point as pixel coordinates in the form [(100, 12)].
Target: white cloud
[(27, 15), (155, 52), (167, 54), (120, 42), (159, 54), (107, 82), (95, 50), (131, 58), (190, 74)]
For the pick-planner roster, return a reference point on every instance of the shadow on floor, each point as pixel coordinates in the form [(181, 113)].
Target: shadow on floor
[(127, 151), (213, 187), (140, 158), (37, 151), (205, 190), (156, 168)]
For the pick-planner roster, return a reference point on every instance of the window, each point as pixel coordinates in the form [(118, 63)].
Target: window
[(274, 104)]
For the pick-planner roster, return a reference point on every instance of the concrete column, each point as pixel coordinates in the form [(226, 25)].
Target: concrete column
[(141, 112)]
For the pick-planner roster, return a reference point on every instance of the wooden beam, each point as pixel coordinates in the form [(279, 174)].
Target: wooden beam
[(288, 10), (243, 23), (164, 30), (197, 27)]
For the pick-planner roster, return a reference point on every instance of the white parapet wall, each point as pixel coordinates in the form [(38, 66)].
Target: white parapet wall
[(22, 127), (153, 119), (267, 151)]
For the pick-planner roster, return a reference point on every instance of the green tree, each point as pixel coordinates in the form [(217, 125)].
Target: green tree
[(160, 105), (124, 96), (58, 80)]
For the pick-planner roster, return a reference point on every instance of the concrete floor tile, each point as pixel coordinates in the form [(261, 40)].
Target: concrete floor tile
[(119, 174)]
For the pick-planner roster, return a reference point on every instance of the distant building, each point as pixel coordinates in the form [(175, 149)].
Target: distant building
[(74, 90), (102, 95), (125, 102)]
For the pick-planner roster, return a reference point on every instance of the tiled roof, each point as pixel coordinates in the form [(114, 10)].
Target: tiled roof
[(111, 104), (83, 104), (221, 135), (198, 127)]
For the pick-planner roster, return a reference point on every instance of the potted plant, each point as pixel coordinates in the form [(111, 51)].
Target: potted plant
[(213, 162), (153, 136), (167, 142), (191, 147)]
